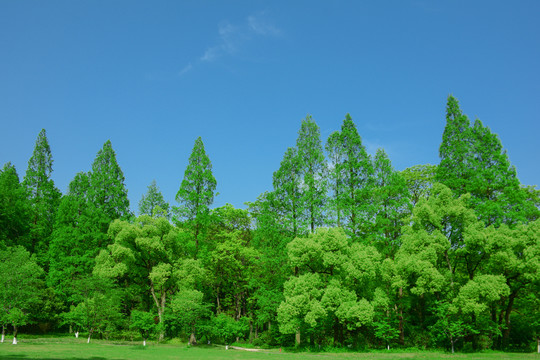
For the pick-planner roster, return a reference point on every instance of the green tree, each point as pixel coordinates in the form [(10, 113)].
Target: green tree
[(145, 257), (391, 199), (420, 179), (77, 237), (287, 195), (44, 197), (196, 192), (335, 151), (14, 208), (20, 287), (473, 161), (153, 198), (314, 173), (144, 322), (97, 306), (107, 189), (356, 170)]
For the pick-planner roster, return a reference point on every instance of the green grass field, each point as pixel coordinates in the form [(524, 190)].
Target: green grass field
[(74, 349)]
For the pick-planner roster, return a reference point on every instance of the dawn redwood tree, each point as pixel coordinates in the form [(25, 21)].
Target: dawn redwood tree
[(107, 188), (77, 237), (14, 208), (287, 194), (356, 170), (314, 173), (335, 152), (473, 161), (44, 197), (196, 192), (153, 198), (419, 179)]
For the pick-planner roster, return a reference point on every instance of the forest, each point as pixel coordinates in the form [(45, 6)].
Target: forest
[(344, 251)]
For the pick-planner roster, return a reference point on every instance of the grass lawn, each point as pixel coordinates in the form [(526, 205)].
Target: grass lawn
[(73, 349)]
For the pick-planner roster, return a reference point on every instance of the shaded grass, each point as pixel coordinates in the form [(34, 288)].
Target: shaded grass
[(78, 349)]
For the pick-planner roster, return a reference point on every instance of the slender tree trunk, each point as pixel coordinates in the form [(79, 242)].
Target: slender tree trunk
[(160, 304), (452, 341), (90, 335), (297, 337), (15, 332), (76, 334), (3, 333), (401, 320), (192, 337), (144, 342), (506, 332)]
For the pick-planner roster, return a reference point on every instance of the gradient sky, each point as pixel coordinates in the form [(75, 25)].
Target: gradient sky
[(152, 76)]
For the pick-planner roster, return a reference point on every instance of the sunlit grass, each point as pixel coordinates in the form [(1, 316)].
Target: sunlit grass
[(73, 349)]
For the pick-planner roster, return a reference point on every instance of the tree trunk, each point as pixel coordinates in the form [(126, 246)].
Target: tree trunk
[(15, 332), (3, 333), (401, 321), (297, 337), (144, 342), (506, 332), (160, 304), (76, 334), (192, 338), (90, 335), (452, 341)]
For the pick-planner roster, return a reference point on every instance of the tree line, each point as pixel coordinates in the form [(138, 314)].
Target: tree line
[(343, 251)]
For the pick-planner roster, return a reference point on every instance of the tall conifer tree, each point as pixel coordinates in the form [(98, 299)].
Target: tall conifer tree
[(473, 161), (151, 199), (14, 208), (43, 195), (287, 191), (108, 191), (196, 192), (314, 173), (356, 170)]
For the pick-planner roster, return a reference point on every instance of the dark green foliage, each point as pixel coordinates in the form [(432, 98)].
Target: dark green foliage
[(77, 237), (196, 192), (14, 208), (107, 189), (44, 198), (473, 161)]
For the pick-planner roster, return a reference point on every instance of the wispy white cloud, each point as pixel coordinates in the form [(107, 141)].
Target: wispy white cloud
[(185, 69), (233, 37), (260, 26)]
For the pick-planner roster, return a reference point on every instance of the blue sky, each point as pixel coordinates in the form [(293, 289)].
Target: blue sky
[(152, 76)]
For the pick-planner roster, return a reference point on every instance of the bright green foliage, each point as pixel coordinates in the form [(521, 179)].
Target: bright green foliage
[(391, 198), (44, 197), (77, 237), (107, 189), (420, 179), (20, 287), (153, 198), (385, 331), (287, 196), (144, 322), (228, 329), (146, 252), (196, 192), (187, 310), (327, 292), (473, 161), (98, 306), (14, 208), (313, 170)]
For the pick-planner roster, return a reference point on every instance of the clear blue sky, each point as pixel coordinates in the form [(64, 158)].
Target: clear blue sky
[(152, 76)]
